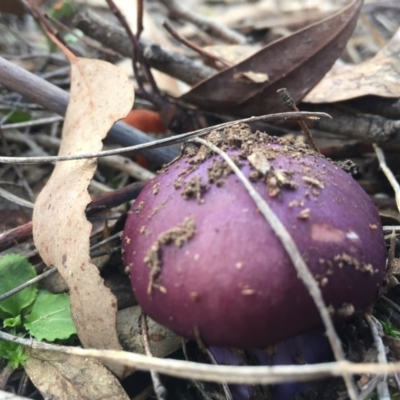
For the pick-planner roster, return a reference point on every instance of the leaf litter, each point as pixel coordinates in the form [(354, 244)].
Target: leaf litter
[(100, 95), (379, 76), (237, 76), (289, 62), (68, 377)]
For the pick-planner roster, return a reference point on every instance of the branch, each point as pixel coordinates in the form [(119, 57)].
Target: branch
[(54, 99), (114, 37)]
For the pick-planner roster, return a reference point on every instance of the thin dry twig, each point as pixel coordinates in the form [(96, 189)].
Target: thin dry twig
[(52, 270), (179, 11), (159, 388), (204, 53), (376, 327), (89, 42), (246, 375), (120, 163), (112, 36), (197, 384), (289, 116), (295, 256), (288, 101), (34, 122), (224, 385), (55, 99), (137, 53), (388, 173), (15, 199)]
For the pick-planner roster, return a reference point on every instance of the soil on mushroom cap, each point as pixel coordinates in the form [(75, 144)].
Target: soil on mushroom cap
[(177, 235), (251, 148)]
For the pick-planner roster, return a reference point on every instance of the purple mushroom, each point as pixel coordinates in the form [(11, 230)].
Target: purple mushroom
[(206, 264)]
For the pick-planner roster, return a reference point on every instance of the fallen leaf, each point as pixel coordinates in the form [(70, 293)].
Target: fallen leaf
[(100, 95), (67, 377), (297, 62), (379, 76)]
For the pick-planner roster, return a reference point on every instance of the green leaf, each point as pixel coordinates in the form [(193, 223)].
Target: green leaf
[(14, 271), (50, 318), (12, 322), (13, 353)]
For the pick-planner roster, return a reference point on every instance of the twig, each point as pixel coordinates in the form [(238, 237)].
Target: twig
[(370, 128), (194, 46), (88, 42), (159, 388), (225, 387), (391, 303), (123, 164), (197, 384), (32, 6), (34, 122), (15, 199), (18, 170), (28, 283), (375, 326), (295, 256), (5, 376), (390, 228), (178, 11), (288, 101), (55, 99), (389, 174), (108, 200), (250, 375), (288, 116), (114, 37), (139, 20), (51, 270), (369, 388), (137, 54)]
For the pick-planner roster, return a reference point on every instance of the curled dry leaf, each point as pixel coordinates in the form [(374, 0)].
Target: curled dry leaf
[(297, 62), (67, 377), (379, 76), (100, 95)]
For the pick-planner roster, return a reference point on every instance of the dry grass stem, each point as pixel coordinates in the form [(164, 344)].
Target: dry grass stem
[(159, 388), (15, 199), (376, 329), (288, 116), (218, 373), (388, 173)]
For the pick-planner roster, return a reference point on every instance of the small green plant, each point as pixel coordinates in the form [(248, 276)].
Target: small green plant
[(39, 313), (389, 329)]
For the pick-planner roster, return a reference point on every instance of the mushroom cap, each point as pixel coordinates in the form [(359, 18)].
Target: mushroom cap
[(205, 263)]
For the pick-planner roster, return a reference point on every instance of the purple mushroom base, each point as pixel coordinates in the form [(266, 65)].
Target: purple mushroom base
[(205, 263), (307, 348)]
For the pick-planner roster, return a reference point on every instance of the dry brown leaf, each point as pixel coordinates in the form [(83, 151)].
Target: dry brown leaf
[(100, 95), (379, 76), (14, 6), (67, 377), (297, 62)]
